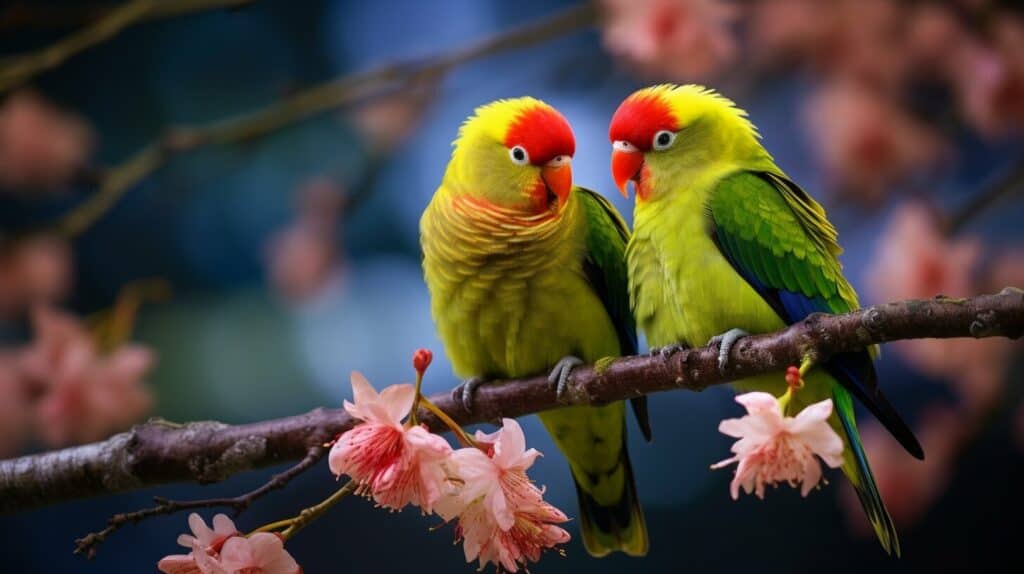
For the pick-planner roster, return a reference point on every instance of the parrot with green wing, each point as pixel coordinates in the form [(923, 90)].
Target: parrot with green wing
[(724, 244), (527, 275)]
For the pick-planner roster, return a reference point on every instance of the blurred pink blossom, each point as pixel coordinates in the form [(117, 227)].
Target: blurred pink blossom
[(301, 260), (41, 147), (387, 121), (15, 411), (34, 270), (774, 448), (786, 29), (907, 485), (988, 78), (305, 255), (860, 40), (934, 33), (1007, 270), (85, 396), (866, 141), (674, 39), (915, 260)]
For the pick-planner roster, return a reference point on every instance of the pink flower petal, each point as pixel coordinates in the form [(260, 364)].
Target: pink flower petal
[(397, 401), (178, 564), (773, 449)]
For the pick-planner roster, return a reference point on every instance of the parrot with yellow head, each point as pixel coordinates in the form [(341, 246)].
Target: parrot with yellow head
[(725, 244), (527, 275)]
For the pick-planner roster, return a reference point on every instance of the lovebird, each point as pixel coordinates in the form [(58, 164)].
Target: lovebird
[(527, 275), (724, 244)]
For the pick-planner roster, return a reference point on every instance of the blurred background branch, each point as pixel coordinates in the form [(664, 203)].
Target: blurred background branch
[(161, 452), (16, 70), (1005, 186), (343, 91)]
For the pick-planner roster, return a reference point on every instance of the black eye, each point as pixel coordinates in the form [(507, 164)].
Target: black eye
[(519, 155), (663, 140)]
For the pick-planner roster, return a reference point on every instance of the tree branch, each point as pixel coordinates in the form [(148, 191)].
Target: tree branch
[(88, 544), (337, 93), (160, 452), (16, 70)]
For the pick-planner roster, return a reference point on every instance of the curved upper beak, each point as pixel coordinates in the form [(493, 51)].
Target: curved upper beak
[(557, 175), (627, 161)]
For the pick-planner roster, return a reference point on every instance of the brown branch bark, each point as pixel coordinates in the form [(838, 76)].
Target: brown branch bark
[(160, 452)]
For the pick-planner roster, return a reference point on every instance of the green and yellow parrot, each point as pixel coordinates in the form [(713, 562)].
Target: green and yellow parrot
[(527, 275), (724, 244)]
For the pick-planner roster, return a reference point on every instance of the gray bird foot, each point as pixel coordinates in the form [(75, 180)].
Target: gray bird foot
[(464, 392), (725, 341), (668, 350), (559, 377)]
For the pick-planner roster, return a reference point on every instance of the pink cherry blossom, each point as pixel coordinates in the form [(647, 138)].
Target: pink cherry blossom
[(774, 448), (85, 395), (860, 40), (988, 78), (866, 141), (502, 516), (915, 260), (305, 256), (15, 411), (34, 270), (41, 146), (261, 553), (678, 39), (203, 541), (395, 464)]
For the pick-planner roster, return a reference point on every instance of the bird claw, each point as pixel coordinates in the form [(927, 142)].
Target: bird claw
[(668, 350), (725, 341), (559, 376), (463, 393)]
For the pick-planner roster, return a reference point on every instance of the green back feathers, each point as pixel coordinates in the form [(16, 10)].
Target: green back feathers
[(780, 237)]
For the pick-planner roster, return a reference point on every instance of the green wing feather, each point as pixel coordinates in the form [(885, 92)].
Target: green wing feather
[(605, 265), (778, 238)]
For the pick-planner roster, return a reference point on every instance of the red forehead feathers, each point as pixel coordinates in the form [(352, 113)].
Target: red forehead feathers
[(640, 117), (543, 132)]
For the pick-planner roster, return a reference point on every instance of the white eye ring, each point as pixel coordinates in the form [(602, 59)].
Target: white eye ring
[(623, 145), (663, 140), (559, 161), (518, 155)]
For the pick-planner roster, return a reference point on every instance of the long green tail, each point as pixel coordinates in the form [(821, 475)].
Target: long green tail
[(620, 526), (857, 469), (593, 439)]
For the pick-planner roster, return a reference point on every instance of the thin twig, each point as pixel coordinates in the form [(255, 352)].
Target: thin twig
[(161, 452), (16, 70), (1006, 185), (89, 543), (335, 94)]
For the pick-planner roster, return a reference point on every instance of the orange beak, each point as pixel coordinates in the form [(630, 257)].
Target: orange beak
[(557, 175), (626, 166)]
